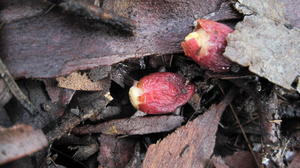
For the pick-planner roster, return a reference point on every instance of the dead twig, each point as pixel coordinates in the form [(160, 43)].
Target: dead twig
[(15, 90)]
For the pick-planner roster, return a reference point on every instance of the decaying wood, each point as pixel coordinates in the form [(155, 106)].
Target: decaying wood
[(19, 141), (133, 126), (71, 45), (191, 145), (273, 142)]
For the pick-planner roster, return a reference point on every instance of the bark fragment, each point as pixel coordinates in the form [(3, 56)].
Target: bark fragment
[(19, 141), (264, 42), (70, 44)]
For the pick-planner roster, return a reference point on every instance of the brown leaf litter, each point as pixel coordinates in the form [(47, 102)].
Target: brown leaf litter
[(133, 126), (191, 145)]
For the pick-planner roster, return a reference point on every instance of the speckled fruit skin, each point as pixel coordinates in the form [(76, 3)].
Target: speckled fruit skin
[(212, 58), (162, 92)]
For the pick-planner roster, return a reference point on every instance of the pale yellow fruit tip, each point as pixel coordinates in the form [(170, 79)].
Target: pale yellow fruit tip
[(134, 94), (202, 39)]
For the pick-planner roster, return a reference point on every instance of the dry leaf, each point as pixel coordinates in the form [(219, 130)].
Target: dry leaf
[(189, 146), (133, 126)]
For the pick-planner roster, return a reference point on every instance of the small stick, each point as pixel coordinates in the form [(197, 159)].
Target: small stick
[(15, 90)]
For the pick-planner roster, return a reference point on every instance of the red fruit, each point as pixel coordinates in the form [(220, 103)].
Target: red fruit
[(160, 92), (206, 45)]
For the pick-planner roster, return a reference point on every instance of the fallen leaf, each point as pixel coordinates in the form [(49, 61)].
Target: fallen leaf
[(77, 81), (265, 43), (191, 145), (19, 141), (133, 126)]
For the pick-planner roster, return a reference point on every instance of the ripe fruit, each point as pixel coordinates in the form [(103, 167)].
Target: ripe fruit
[(206, 45), (160, 92)]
